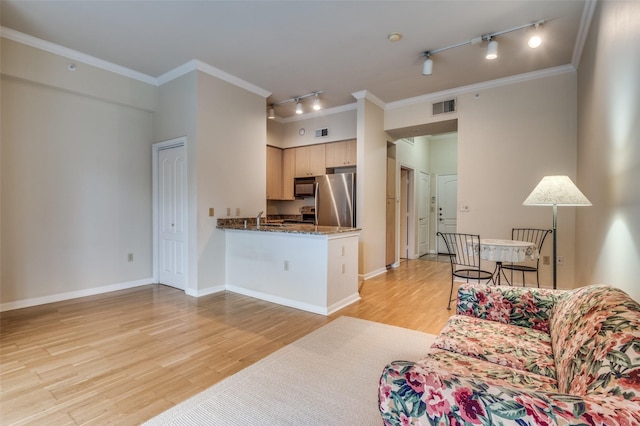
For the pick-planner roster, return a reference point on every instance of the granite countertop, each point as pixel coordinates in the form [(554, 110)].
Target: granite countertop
[(290, 228)]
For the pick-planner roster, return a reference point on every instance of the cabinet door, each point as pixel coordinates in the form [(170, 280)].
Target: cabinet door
[(274, 173), (288, 173), (317, 165), (341, 154), (351, 151), (302, 161), (310, 160)]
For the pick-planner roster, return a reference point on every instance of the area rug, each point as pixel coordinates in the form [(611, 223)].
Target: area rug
[(328, 377)]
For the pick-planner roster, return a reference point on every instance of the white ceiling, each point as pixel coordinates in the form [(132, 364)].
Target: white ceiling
[(291, 48)]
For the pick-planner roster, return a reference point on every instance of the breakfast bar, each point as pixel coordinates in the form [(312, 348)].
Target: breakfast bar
[(308, 267)]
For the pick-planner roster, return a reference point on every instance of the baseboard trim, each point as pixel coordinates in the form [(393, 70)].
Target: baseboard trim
[(372, 274), (315, 309), (205, 291), (26, 303)]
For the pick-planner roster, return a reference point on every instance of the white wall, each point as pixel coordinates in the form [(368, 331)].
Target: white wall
[(76, 178), (341, 125), (176, 116), (608, 233), (371, 188), (509, 137), (231, 167)]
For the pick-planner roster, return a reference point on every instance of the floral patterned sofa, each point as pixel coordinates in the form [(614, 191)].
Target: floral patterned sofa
[(524, 356)]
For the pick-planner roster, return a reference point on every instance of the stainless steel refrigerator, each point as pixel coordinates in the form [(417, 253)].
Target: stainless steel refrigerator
[(335, 200)]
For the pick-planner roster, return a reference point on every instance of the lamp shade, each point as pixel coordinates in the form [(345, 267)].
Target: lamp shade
[(558, 190)]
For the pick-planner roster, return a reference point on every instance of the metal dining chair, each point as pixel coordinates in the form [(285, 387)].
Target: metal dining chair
[(464, 255), (533, 235)]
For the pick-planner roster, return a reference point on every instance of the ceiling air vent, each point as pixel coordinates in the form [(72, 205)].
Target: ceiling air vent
[(322, 133), (444, 107)]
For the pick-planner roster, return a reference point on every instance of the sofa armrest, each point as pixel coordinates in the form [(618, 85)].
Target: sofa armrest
[(522, 306), (411, 393)]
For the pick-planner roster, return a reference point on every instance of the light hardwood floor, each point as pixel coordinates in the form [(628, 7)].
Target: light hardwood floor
[(126, 356)]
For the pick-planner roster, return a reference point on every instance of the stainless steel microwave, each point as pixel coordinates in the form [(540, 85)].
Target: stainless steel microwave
[(304, 187)]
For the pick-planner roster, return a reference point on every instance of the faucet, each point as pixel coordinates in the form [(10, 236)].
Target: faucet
[(258, 219)]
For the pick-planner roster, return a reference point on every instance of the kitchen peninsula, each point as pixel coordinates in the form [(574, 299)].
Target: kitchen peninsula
[(308, 267)]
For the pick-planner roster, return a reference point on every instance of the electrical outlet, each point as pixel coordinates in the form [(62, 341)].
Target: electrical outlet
[(211, 212), (237, 211), (228, 211), (546, 260), (130, 257), (560, 261)]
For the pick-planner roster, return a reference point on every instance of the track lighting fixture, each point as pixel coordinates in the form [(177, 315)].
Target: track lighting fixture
[(492, 46), (535, 40), (427, 67), (492, 49), (298, 100)]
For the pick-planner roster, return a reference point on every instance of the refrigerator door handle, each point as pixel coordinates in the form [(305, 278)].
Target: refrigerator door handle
[(315, 203)]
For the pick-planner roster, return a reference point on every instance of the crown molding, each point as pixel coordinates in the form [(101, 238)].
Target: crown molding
[(534, 75), (192, 65), (583, 31), (365, 94), (56, 49), (198, 65)]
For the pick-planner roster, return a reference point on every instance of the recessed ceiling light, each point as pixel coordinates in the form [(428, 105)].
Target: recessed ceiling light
[(393, 37)]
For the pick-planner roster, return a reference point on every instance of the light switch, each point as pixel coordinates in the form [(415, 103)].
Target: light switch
[(211, 211)]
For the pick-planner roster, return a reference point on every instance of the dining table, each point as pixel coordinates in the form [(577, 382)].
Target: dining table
[(499, 251)]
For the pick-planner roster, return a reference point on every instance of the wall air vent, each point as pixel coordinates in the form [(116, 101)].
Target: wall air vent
[(322, 133), (444, 107)]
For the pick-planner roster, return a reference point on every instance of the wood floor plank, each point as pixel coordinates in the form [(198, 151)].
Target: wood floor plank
[(126, 356)]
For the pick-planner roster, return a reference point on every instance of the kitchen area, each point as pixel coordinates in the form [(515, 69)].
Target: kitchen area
[(303, 252)]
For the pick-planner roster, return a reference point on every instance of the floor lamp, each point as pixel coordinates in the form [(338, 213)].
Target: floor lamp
[(556, 191)]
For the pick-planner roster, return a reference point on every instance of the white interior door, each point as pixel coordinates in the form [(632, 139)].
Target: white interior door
[(172, 216), (447, 199), (424, 193)]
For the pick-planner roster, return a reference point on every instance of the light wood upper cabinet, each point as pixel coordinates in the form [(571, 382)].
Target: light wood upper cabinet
[(310, 160), (340, 154), (280, 171), (274, 173), (288, 173)]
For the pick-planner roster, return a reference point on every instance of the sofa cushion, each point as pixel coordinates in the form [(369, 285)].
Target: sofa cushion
[(509, 305), (497, 375), (429, 393), (504, 344), (595, 335)]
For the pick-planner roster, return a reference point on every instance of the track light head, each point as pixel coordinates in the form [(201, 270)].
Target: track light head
[(272, 113), (492, 49), (535, 40), (298, 106), (427, 67), (316, 103)]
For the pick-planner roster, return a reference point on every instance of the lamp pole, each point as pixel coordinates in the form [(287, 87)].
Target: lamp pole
[(555, 260)]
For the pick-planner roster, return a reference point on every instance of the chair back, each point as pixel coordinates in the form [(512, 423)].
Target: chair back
[(531, 235), (464, 249)]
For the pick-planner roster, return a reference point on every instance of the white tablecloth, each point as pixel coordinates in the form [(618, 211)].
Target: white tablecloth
[(507, 250)]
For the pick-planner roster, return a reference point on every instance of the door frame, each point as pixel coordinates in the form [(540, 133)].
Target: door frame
[(425, 197), (407, 208), (155, 149)]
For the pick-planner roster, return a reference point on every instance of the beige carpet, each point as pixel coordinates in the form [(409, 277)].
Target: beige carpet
[(329, 377)]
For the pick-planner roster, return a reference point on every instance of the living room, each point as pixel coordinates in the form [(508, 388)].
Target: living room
[(76, 187)]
